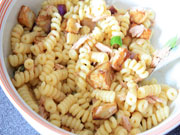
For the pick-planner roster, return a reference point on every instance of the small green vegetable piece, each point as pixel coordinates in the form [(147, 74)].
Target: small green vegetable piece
[(21, 68), (172, 42), (116, 40)]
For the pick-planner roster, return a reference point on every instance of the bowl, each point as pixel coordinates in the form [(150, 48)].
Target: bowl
[(166, 26)]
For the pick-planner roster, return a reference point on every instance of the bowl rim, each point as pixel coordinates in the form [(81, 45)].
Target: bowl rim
[(4, 5)]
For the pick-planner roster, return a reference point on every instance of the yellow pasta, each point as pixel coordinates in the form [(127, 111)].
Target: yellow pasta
[(136, 119), (79, 112), (53, 36), (149, 90), (65, 105), (17, 60), (120, 131), (16, 34), (85, 132), (29, 64), (70, 85), (107, 126), (71, 122), (22, 48), (155, 118), (142, 105), (144, 49), (37, 48), (50, 105), (124, 23), (64, 57), (56, 76), (135, 131), (137, 67), (131, 97), (171, 94), (99, 57), (29, 37), (55, 119), (106, 96), (26, 76), (27, 96), (50, 91)]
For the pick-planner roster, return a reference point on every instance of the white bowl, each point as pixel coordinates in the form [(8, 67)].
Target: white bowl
[(167, 25)]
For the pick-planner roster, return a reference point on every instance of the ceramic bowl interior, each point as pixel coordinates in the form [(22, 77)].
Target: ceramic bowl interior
[(166, 26)]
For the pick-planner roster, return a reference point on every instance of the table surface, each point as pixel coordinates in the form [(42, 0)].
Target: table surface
[(11, 122)]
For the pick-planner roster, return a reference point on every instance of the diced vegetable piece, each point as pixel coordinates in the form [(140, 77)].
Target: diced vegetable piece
[(116, 40), (62, 9), (113, 9), (172, 42)]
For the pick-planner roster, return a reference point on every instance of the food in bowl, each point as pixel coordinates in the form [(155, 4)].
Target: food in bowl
[(82, 66)]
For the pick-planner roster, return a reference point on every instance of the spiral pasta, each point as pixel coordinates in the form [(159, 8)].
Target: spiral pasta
[(124, 21), (120, 131), (149, 90), (29, 64), (22, 48), (84, 99), (171, 94), (79, 112), (138, 67), (144, 49), (98, 34), (131, 97), (155, 118), (26, 76), (29, 37), (115, 86), (16, 34), (56, 76), (107, 126), (84, 65), (28, 97), (85, 132), (76, 78), (106, 96), (70, 85), (65, 105), (55, 119), (17, 60), (149, 20), (142, 105), (50, 105), (37, 48), (53, 36), (97, 8), (71, 122), (111, 26), (50, 91), (136, 119), (135, 131), (99, 57)]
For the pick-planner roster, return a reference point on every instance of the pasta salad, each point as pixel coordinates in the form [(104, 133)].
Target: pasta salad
[(82, 65)]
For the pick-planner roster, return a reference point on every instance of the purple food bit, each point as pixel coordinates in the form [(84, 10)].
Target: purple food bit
[(62, 9), (112, 9)]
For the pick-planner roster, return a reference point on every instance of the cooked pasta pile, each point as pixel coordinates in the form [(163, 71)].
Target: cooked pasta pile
[(82, 66)]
